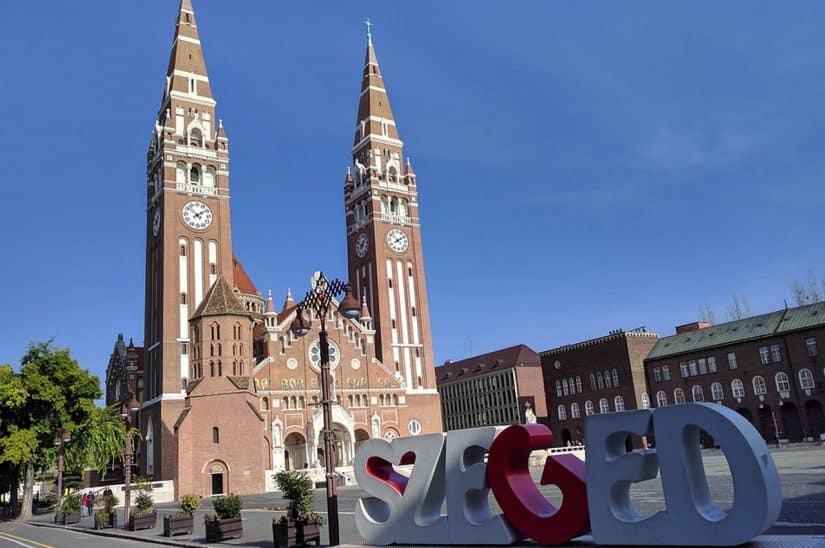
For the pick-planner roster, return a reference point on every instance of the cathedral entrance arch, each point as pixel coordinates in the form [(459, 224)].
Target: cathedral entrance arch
[(295, 451), (361, 436), (216, 473), (343, 426)]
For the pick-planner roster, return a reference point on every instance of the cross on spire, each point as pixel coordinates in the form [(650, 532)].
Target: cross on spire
[(369, 24)]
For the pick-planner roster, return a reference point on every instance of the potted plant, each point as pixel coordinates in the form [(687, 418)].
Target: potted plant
[(227, 523), (144, 515), (105, 515), (300, 525), (69, 510), (182, 521)]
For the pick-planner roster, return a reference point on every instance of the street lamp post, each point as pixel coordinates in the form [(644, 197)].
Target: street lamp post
[(129, 406), (61, 438), (318, 299)]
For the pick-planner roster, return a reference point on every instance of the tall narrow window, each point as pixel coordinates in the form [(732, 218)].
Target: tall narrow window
[(732, 360), (810, 346), (604, 406), (575, 412), (737, 388), (717, 392), (698, 394), (759, 386), (661, 399), (615, 377), (679, 396), (806, 379), (216, 435), (783, 384), (588, 408), (618, 403), (562, 413), (645, 401)]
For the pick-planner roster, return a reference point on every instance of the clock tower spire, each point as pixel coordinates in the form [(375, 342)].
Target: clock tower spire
[(188, 235), (386, 263)]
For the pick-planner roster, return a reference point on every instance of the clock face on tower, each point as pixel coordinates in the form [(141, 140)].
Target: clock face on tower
[(397, 240), (197, 215), (156, 222), (362, 244)]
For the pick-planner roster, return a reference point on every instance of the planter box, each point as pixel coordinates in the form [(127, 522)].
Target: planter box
[(295, 534), (222, 529), (142, 522), (177, 525), (110, 524), (65, 519)]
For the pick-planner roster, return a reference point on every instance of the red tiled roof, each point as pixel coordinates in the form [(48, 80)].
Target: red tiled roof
[(485, 363), (242, 279)]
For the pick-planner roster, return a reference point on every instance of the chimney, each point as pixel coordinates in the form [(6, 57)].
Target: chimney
[(692, 326)]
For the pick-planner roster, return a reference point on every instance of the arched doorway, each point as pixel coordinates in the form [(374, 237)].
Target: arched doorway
[(343, 446), (361, 436), (768, 424), (218, 480), (566, 437), (295, 451), (816, 418), (791, 422)]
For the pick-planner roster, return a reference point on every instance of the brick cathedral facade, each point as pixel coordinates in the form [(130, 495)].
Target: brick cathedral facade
[(229, 392)]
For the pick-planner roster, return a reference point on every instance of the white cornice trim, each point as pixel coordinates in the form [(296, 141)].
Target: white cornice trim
[(193, 98), (190, 40)]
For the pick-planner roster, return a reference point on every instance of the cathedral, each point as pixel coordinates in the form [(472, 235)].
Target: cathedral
[(229, 394)]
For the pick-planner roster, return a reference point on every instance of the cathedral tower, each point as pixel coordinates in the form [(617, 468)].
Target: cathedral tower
[(188, 237), (386, 263)]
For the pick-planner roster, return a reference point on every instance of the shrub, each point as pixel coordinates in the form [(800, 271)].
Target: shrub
[(228, 507), (70, 503), (101, 518), (189, 504), (297, 490), (144, 505), (107, 503)]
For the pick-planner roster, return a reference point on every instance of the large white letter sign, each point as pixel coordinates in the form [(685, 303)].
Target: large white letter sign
[(468, 510), (400, 509), (610, 471), (690, 518), (757, 493)]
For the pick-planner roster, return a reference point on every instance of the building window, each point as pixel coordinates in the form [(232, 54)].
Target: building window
[(806, 379), (592, 381), (578, 384), (183, 298), (783, 384), (645, 401), (564, 387), (264, 403), (810, 346), (683, 369), (600, 380), (759, 387), (558, 388), (183, 250), (737, 388), (213, 268), (615, 378), (562, 413), (184, 349), (588, 408), (679, 396), (732, 360), (693, 369), (657, 374), (216, 435), (618, 403), (698, 394), (661, 399), (666, 372), (703, 366), (717, 392), (764, 355), (607, 379), (575, 412), (776, 355), (604, 407)]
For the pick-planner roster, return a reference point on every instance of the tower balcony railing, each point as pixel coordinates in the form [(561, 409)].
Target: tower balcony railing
[(393, 218), (197, 189), (199, 152)]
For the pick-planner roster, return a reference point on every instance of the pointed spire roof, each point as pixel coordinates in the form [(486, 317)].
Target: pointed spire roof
[(242, 280), (289, 301), (374, 104), (365, 310), (187, 55), (270, 306), (220, 300)]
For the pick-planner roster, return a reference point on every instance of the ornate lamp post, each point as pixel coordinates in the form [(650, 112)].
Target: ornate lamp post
[(61, 438), (318, 299), (129, 406)]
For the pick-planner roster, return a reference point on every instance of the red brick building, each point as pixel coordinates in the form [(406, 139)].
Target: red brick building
[(594, 376), (767, 367), (497, 388), (228, 389)]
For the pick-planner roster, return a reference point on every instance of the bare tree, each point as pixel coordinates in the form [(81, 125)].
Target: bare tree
[(812, 292), (707, 314), (738, 308)]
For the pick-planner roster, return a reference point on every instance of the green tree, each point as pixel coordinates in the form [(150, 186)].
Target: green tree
[(57, 392)]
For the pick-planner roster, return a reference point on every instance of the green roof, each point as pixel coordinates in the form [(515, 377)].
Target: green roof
[(755, 327)]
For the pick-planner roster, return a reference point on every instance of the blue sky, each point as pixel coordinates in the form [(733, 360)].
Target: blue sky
[(582, 167)]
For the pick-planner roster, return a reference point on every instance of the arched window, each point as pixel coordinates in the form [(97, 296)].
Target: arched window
[(575, 412), (216, 435), (571, 385), (301, 402), (195, 174), (592, 381), (558, 387), (615, 377), (562, 413), (607, 379), (209, 177), (661, 399), (679, 395), (578, 384), (286, 402), (783, 384), (618, 403), (394, 205), (392, 174), (759, 387), (604, 407), (264, 403), (600, 380), (588, 408), (717, 392), (737, 388), (564, 387), (645, 401), (211, 369), (806, 379), (698, 393), (150, 447), (196, 137), (180, 173), (395, 399)]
